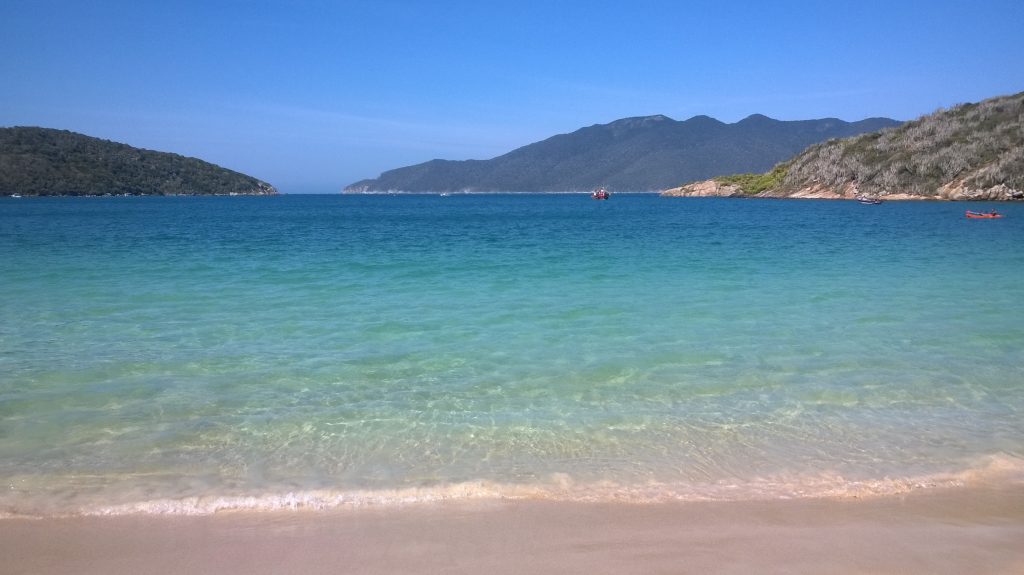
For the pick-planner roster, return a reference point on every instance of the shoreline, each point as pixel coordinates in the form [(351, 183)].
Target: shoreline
[(974, 529), (991, 472)]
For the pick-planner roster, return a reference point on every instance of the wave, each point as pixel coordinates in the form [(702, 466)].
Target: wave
[(993, 470)]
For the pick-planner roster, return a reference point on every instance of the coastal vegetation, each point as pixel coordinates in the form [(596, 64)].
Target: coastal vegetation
[(47, 162), (631, 154), (970, 151), (975, 147), (751, 184)]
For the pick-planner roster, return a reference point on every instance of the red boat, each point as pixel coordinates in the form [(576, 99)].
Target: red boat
[(983, 215), (600, 194)]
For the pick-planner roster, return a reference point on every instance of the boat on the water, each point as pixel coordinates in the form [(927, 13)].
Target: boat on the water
[(600, 194), (869, 201), (983, 215)]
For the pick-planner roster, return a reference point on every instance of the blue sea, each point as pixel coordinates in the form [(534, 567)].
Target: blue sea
[(192, 354)]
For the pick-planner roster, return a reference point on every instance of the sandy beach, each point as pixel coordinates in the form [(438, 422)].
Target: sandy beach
[(968, 530)]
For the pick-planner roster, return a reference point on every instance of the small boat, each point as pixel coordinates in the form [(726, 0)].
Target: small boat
[(15, 195), (869, 201), (600, 194), (983, 215)]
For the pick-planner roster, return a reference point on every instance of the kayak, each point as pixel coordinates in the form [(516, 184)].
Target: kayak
[(983, 215)]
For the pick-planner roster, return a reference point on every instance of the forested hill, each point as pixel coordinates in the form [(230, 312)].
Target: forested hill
[(46, 162), (632, 154), (968, 152)]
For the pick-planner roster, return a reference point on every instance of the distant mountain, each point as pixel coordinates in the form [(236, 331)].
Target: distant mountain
[(46, 162), (632, 154), (968, 152)]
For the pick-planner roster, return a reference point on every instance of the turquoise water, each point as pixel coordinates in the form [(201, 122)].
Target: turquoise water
[(191, 354)]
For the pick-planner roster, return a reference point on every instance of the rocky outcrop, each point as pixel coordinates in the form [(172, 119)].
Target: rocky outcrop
[(954, 191), (848, 191), (705, 189), (959, 190)]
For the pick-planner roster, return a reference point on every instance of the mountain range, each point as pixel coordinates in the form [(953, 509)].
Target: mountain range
[(632, 154), (48, 162)]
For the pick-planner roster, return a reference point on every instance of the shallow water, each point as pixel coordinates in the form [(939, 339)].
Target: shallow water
[(188, 354)]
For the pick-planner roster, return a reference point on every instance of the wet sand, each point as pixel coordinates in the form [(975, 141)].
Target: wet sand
[(969, 530)]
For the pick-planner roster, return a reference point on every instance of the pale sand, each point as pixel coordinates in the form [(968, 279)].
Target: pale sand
[(976, 530)]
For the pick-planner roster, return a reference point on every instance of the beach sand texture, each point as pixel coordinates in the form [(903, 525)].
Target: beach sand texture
[(954, 531)]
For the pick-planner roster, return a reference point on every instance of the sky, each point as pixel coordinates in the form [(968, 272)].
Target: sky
[(313, 95)]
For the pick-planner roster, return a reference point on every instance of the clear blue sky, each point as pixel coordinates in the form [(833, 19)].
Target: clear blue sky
[(313, 95)]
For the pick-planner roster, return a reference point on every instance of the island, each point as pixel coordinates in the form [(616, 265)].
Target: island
[(49, 162)]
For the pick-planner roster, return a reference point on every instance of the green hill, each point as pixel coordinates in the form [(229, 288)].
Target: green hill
[(46, 162), (968, 152), (632, 154)]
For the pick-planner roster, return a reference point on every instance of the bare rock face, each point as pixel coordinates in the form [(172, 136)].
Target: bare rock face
[(815, 192), (953, 191), (705, 189), (958, 190)]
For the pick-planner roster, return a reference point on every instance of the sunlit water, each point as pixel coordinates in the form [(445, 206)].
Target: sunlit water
[(191, 354)]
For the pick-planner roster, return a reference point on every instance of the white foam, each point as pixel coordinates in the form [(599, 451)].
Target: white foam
[(1000, 469), (560, 487)]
